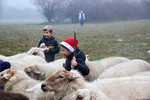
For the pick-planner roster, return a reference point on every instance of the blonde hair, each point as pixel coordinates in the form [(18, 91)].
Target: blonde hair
[(48, 28)]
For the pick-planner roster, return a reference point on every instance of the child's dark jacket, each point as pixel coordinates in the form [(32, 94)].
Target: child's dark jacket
[(53, 46), (4, 65), (80, 59)]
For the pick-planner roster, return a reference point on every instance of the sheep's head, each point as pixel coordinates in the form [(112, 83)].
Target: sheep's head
[(37, 52), (5, 76), (59, 81), (33, 72), (43, 45), (33, 69)]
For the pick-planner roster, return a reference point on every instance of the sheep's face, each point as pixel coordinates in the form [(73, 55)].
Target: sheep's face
[(33, 69), (33, 72), (5, 76), (58, 81), (37, 51)]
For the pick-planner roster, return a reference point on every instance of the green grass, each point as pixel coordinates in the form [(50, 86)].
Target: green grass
[(98, 40)]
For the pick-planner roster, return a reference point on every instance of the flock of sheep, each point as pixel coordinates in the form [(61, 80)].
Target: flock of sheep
[(112, 78)]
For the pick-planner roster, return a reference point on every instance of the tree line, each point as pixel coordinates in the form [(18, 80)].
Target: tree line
[(95, 10)]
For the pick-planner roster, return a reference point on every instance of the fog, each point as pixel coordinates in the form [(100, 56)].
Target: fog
[(58, 11), (19, 10)]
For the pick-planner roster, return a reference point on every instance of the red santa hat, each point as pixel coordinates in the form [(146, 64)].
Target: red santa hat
[(69, 43)]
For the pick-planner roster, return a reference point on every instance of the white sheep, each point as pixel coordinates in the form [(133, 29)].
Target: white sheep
[(37, 52), (33, 51), (18, 82), (97, 67), (64, 84), (126, 69), (22, 60), (26, 61), (46, 69), (89, 94), (7, 58)]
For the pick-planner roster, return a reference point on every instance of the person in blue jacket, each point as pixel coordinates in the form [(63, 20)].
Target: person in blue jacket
[(50, 42), (67, 46), (3, 66), (81, 18)]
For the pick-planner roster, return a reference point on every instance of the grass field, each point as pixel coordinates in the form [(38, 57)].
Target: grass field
[(130, 39)]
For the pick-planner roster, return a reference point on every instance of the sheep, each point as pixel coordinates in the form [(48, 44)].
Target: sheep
[(26, 61), (5, 95), (89, 94), (37, 52), (64, 84), (33, 51), (45, 69), (126, 69), (97, 67), (22, 60), (17, 81), (125, 88), (33, 72)]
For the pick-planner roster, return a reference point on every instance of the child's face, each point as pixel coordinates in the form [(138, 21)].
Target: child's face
[(47, 34), (65, 51)]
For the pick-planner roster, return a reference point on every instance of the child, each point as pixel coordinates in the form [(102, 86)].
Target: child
[(68, 51), (3, 66), (50, 42)]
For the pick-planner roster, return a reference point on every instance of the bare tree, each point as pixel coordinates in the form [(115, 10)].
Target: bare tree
[(95, 10), (48, 7)]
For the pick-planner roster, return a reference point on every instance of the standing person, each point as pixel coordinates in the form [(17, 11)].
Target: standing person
[(81, 18), (3, 66), (50, 42), (67, 46)]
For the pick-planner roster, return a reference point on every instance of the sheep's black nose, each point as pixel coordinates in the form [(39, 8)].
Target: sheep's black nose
[(34, 53), (79, 97), (43, 85)]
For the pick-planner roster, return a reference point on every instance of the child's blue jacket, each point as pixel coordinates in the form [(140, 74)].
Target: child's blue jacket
[(53, 46), (80, 59)]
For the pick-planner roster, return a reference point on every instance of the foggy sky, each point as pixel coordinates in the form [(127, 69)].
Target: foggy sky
[(19, 9), (21, 4)]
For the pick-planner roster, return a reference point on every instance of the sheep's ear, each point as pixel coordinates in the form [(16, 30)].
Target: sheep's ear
[(36, 72), (27, 70), (7, 76), (13, 73), (71, 76)]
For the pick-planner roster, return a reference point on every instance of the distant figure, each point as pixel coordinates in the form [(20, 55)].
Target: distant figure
[(81, 18)]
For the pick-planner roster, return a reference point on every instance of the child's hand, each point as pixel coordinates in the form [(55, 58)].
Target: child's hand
[(73, 63), (64, 65)]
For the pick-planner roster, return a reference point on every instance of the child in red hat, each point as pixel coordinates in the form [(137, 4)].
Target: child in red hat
[(67, 46)]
